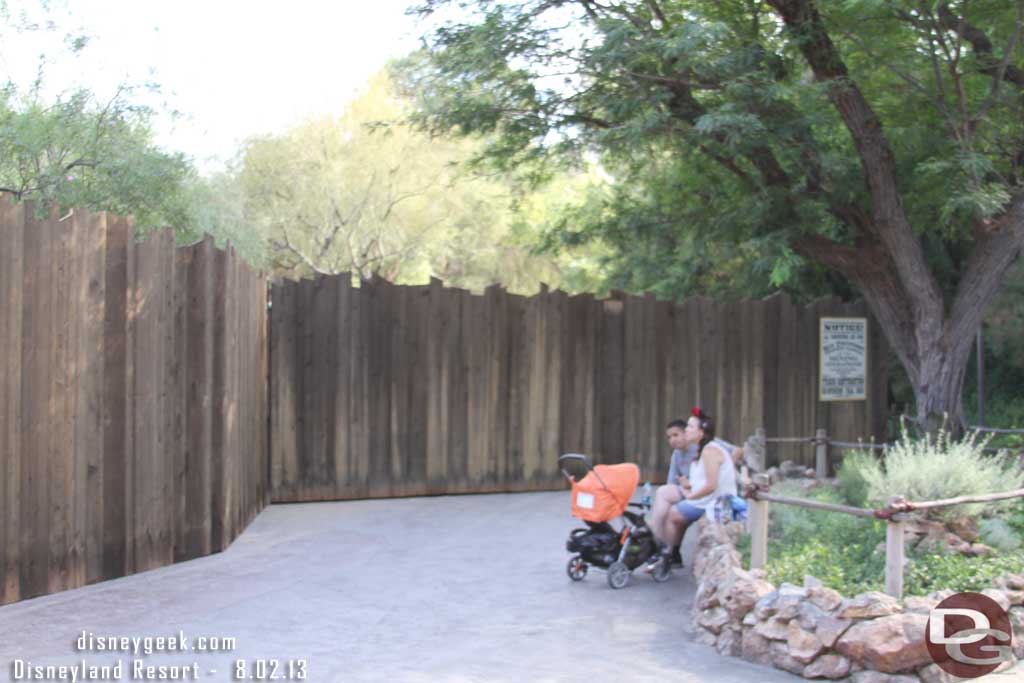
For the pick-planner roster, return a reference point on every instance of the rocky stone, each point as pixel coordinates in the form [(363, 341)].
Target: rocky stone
[(941, 595), (879, 677), (739, 592), (790, 597), (774, 475), (713, 619), (1005, 665), (766, 606), (750, 619), (980, 550), (1016, 615), (712, 535), (827, 666), (792, 470), (933, 673), (785, 661), (830, 629), (773, 629), (811, 474), (706, 596), (869, 605), (730, 642), (804, 646), (1015, 597), (759, 573), (706, 637), (755, 647), (890, 644), (966, 528), (812, 582), (825, 598), (919, 604), (809, 616), (1014, 581), (998, 596)]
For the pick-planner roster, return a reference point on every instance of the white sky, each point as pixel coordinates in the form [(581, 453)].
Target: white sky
[(234, 68)]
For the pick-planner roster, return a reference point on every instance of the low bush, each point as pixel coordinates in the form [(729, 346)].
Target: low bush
[(938, 467)]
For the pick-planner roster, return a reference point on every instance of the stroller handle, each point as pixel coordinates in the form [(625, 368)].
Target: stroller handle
[(575, 456), (581, 458)]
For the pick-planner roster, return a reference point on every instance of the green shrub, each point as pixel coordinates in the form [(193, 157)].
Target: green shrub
[(937, 467), (928, 573), (853, 482), (999, 534)]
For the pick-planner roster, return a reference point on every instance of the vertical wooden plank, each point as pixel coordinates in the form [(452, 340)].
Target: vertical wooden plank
[(499, 384), (36, 360), (437, 424), (342, 324), (115, 404), (519, 380), (608, 381), (458, 445), (219, 401), (418, 391), (555, 335), (62, 392), (90, 427), (199, 444), (12, 289)]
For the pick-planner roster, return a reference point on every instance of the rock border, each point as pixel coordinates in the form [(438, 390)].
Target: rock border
[(813, 631)]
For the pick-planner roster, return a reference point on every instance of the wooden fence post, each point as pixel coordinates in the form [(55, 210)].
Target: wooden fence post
[(758, 451), (759, 527), (821, 454), (894, 554)]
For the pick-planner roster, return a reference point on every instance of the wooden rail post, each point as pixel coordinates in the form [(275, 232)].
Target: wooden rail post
[(821, 454), (759, 527), (894, 554), (758, 461)]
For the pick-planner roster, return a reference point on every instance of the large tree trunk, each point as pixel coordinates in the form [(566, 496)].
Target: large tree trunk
[(888, 264)]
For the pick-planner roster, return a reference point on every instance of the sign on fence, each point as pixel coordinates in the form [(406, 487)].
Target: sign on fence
[(844, 359)]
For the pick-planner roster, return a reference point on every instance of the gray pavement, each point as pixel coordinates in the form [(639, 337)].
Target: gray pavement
[(458, 588)]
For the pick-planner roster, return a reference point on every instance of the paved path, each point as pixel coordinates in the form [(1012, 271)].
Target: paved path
[(461, 588)]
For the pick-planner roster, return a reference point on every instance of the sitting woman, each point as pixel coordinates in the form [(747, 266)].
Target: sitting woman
[(712, 475)]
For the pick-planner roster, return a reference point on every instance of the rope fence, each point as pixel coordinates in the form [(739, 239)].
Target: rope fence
[(758, 492)]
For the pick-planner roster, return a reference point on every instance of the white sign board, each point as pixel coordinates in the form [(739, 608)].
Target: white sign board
[(844, 359)]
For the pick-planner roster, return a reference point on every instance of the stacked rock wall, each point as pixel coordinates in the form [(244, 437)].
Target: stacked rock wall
[(815, 632)]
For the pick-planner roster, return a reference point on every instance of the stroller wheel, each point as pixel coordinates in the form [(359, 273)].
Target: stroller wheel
[(618, 575), (577, 568)]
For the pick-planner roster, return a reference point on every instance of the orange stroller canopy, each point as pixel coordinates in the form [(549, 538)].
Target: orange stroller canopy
[(604, 493)]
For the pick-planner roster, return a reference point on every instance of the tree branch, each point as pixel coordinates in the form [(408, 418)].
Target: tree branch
[(877, 162)]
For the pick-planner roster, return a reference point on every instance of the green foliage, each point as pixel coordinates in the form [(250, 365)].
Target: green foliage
[(846, 552), (365, 193), (80, 149), (837, 548), (721, 150), (998, 534), (938, 467), (929, 573), (853, 483)]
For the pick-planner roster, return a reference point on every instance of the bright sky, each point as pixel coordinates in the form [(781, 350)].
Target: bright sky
[(234, 68)]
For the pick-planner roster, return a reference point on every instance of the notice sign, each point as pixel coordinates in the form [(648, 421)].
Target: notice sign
[(844, 359)]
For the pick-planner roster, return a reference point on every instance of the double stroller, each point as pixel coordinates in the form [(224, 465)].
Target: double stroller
[(599, 496)]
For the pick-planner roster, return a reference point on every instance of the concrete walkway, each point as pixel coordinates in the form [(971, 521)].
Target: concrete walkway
[(464, 588)]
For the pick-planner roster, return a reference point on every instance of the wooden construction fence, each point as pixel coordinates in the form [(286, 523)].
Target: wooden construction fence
[(383, 390), (133, 400)]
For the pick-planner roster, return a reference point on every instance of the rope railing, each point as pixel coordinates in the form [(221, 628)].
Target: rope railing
[(894, 513)]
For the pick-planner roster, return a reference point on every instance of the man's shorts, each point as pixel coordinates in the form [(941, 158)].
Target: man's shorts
[(689, 513)]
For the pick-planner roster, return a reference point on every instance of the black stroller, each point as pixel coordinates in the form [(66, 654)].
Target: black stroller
[(601, 495)]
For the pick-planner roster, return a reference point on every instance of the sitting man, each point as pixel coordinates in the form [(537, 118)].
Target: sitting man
[(685, 446)]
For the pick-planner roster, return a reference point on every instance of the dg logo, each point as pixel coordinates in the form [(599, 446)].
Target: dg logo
[(968, 635)]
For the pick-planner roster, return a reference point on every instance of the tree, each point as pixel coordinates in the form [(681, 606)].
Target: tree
[(881, 140), (364, 193), (77, 149)]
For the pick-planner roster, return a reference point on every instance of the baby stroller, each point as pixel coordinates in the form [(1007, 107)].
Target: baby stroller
[(601, 495)]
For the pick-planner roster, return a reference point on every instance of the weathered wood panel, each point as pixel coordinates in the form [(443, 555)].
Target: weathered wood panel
[(107, 401), (412, 390)]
